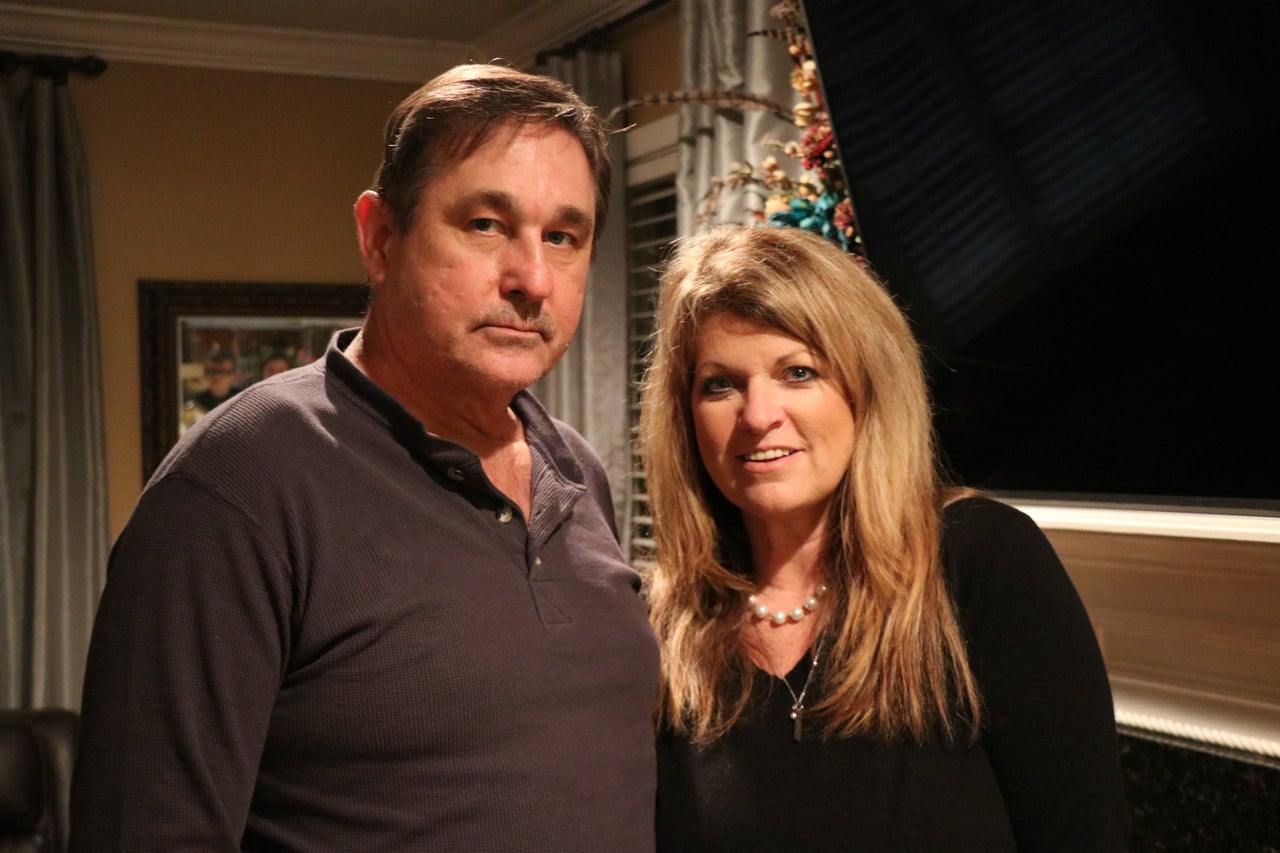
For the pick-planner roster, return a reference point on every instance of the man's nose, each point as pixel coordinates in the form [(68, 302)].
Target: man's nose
[(761, 406), (526, 268)]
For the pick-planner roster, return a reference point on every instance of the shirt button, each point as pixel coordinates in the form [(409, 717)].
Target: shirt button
[(537, 561), (455, 474), (504, 514)]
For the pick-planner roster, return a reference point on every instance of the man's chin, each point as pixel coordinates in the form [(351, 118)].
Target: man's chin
[(512, 372)]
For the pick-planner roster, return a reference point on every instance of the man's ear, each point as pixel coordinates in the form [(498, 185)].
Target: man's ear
[(375, 226)]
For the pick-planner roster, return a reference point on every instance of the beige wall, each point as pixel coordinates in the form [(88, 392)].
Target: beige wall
[(216, 176), (650, 49)]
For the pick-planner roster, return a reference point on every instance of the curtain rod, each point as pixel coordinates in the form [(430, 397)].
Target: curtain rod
[(52, 65), (593, 38)]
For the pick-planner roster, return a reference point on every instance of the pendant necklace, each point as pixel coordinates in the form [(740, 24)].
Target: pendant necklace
[(797, 701)]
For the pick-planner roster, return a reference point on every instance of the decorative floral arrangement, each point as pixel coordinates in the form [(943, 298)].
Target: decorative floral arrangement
[(818, 199)]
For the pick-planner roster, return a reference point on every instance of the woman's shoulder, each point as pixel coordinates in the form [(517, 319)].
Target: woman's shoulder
[(994, 551), (981, 522)]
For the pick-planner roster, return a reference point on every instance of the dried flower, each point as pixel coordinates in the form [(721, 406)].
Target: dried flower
[(818, 200), (775, 204)]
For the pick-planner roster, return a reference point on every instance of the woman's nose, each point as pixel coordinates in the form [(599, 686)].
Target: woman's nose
[(761, 407)]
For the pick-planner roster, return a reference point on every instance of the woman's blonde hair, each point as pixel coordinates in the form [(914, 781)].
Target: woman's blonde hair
[(895, 662)]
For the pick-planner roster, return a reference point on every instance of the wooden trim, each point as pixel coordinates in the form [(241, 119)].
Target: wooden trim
[(164, 41), (1185, 608)]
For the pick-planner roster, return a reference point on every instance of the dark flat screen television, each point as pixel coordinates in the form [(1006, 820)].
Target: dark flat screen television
[(1075, 204)]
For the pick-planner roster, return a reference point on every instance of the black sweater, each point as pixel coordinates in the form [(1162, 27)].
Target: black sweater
[(1044, 775)]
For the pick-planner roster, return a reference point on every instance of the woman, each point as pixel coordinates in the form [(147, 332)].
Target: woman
[(855, 656)]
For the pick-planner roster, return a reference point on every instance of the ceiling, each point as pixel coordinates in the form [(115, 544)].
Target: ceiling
[(431, 21), (363, 39)]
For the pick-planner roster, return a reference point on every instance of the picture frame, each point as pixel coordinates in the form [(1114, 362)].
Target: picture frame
[(182, 323)]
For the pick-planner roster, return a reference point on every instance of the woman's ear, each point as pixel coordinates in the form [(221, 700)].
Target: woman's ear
[(375, 226)]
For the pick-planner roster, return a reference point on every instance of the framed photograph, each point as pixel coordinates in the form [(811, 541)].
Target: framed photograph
[(200, 343)]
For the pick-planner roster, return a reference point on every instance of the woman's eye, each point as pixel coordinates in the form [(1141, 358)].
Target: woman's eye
[(800, 373), (715, 385)]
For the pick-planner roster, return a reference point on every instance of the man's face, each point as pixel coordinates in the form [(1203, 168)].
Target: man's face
[(486, 288), (219, 375), (272, 366)]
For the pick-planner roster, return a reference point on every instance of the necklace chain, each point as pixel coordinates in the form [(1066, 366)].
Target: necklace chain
[(797, 701), (781, 617), (761, 612)]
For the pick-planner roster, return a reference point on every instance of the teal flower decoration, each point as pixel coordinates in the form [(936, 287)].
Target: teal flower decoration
[(817, 217)]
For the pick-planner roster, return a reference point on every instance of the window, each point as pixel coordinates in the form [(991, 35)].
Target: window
[(651, 227)]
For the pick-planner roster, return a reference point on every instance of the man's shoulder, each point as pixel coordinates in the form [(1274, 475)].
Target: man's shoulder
[(267, 427)]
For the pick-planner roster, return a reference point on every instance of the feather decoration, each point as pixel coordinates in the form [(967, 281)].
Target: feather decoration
[(712, 97)]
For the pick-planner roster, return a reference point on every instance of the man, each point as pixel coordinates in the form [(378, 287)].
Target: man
[(408, 625), (219, 377)]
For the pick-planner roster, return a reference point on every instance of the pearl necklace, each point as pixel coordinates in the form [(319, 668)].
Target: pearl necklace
[(781, 617)]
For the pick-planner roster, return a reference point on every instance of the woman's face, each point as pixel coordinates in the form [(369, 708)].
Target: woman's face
[(773, 426)]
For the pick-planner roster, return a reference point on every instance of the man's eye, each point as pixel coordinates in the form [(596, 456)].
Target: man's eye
[(560, 238), (484, 226)]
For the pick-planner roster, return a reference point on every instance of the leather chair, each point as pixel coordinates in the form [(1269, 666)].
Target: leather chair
[(37, 753)]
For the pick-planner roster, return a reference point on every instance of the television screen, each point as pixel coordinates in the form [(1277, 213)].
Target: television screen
[(1074, 202)]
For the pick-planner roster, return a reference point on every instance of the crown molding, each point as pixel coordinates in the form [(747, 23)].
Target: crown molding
[(548, 24), (164, 41)]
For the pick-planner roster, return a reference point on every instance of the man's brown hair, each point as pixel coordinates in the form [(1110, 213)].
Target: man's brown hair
[(448, 118)]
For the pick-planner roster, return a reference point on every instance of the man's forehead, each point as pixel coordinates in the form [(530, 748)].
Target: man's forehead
[(497, 138), (483, 185)]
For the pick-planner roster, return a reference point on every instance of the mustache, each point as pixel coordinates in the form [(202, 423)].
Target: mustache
[(525, 317)]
